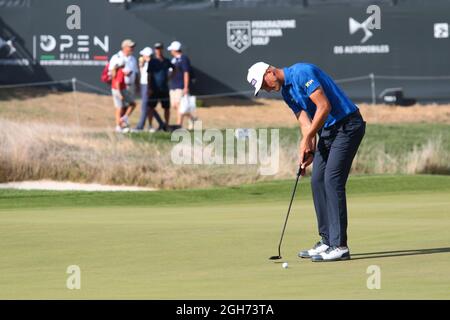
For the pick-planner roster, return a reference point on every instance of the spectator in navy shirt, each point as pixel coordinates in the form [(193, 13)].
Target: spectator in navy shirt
[(179, 80), (158, 73)]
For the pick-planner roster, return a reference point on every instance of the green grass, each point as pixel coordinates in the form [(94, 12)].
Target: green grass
[(396, 138), (215, 243), (259, 192)]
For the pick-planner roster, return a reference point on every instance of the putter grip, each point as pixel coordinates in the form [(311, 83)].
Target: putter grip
[(299, 172)]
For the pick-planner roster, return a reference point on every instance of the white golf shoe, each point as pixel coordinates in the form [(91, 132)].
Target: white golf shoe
[(318, 248), (332, 254), (124, 121)]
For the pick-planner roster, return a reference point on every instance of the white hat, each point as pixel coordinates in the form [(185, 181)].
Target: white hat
[(175, 45), (256, 74), (128, 43), (147, 51)]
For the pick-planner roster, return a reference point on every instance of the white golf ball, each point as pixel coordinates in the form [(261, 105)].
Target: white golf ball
[(285, 265)]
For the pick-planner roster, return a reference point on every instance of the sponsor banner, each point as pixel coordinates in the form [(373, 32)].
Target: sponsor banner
[(345, 41), (367, 28), (72, 63), (243, 34), (68, 50), (382, 48)]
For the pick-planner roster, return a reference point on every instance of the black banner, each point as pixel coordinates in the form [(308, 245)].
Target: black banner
[(412, 40)]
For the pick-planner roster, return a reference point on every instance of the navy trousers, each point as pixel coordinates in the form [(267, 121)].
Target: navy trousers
[(333, 158), (144, 110)]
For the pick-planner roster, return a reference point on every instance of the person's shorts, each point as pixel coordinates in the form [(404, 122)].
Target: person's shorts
[(159, 96), (128, 98), (175, 97)]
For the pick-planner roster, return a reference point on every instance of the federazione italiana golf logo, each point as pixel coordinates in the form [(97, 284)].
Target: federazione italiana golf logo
[(243, 34), (260, 147)]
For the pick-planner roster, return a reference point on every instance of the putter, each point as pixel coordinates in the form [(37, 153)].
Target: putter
[(278, 257)]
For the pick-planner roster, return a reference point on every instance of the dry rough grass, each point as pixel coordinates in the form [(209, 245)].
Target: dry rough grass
[(93, 110), (31, 151), (430, 158), (64, 137)]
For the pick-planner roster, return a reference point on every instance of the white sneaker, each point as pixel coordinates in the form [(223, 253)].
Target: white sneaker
[(125, 130), (152, 130), (318, 248), (118, 129), (332, 254), (124, 119)]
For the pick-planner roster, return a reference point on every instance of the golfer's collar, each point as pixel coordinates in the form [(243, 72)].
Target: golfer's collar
[(287, 77)]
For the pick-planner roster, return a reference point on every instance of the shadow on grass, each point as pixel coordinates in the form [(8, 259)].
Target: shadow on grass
[(398, 253)]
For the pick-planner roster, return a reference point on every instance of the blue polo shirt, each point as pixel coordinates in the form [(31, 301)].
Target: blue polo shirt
[(301, 80), (159, 72), (180, 66)]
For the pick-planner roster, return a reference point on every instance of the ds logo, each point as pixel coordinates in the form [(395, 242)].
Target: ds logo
[(371, 23)]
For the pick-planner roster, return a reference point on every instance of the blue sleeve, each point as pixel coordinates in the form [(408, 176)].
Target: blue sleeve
[(308, 80), (294, 107), (185, 65), (291, 104)]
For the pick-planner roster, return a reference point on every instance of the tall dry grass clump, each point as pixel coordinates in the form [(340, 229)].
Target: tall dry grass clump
[(431, 157), (428, 158), (30, 151)]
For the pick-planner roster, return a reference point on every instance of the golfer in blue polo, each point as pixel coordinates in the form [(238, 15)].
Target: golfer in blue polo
[(323, 110)]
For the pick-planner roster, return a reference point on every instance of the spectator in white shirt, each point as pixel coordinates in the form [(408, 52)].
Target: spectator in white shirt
[(131, 71)]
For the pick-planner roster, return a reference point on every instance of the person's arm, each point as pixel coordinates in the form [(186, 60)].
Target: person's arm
[(186, 82), (307, 146), (149, 81), (323, 108), (186, 67), (137, 80)]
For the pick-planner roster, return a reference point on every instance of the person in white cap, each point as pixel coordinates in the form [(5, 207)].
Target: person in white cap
[(121, 98), (322, 108), (131, 72), (179, 80), (144, 59)]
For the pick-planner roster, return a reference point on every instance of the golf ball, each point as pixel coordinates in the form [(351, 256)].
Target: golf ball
[(285, 265)]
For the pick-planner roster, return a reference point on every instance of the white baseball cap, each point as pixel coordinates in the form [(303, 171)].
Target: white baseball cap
[(128, 43), (147, 51), (175, 45), (256, 74)]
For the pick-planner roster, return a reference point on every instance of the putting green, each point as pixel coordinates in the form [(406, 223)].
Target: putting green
[(218, 249)]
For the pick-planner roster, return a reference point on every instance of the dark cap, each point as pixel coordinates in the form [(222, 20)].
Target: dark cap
[(158, 45)]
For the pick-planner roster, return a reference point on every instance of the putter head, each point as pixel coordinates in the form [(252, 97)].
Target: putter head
[(275, 258)]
